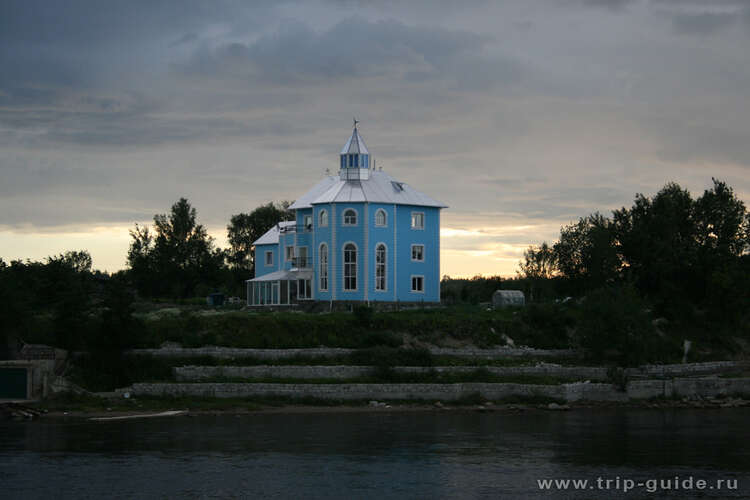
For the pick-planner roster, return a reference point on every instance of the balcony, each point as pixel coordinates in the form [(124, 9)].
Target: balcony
[(296, 228), (301, 263)]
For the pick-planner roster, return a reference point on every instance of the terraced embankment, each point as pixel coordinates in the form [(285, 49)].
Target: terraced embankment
[(527, 377)]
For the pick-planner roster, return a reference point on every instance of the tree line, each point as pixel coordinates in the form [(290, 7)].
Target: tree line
[(686, 258), (178, 259)]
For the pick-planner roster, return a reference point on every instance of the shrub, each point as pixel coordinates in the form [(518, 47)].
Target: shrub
[(363, 315), (615, 327)]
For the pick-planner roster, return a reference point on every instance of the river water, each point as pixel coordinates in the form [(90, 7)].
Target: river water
[(449, 454)]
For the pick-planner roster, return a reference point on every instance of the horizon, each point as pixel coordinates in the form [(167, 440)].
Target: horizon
[(521, 116)]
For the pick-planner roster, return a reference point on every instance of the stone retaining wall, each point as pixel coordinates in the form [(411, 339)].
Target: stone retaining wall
[(196, 373), (642, 389), (330, 352), (687, 369), (594, 373)]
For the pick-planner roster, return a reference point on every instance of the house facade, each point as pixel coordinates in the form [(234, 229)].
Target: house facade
[(358, 236)]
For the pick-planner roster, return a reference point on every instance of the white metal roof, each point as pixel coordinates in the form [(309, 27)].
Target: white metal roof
[(355, 144), (272, 235), (379, 188), (318, 189), (285, 275)]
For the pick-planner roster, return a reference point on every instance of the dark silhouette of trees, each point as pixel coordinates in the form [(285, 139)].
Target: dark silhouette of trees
[(245, 228), (176, 257)]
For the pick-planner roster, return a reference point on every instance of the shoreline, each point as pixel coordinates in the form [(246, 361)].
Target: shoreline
[(170, 411)]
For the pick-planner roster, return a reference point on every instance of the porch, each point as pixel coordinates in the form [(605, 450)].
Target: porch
[(280, 288)]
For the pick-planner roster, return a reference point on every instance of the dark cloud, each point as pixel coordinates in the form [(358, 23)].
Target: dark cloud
[(704, 23), (609, 4), (539, 111), (356, 48)]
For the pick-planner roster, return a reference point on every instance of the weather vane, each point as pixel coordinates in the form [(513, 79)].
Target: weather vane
[(355, 122)]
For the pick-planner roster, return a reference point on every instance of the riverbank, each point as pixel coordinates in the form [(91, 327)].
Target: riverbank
[(90, 407)]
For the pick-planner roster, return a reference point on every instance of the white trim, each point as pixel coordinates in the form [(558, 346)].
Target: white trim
[(323, 211), (266, 254), (385, 217), (366, 229), (424, 220), (440, 276), (333, 272), (313, 279), (343, 268), (412, 252), (395, 252), (356, 217), (320, 266), (307, 254), (411, 283), (375, 270), (286, 254)]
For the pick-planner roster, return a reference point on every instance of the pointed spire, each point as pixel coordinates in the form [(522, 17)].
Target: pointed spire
[(355, 144)]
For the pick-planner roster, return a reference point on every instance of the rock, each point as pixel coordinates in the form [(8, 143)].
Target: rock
[(438, 404), (557, 407)]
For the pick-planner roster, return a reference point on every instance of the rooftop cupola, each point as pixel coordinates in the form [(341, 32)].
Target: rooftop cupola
[(354, 158)]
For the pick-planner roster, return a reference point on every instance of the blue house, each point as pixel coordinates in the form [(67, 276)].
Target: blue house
[(359, 236)]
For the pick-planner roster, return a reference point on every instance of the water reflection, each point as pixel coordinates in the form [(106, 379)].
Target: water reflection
[(417, 455)]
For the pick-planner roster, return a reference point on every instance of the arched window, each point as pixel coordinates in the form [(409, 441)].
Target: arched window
[(350, 266), (380, 267), (350, 217), (381, 218), (323, 218), (323, 267)]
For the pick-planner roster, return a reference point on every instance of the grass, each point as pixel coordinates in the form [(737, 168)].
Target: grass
[(91, 404), (540, 327)]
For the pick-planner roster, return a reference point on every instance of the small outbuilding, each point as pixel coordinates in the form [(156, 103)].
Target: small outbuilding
[(508, 298), (215, 299)]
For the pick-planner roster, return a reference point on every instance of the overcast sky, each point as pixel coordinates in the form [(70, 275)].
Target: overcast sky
[(521, 116)]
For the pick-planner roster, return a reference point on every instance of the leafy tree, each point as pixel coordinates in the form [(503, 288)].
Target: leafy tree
[(244, 229), (538, 267), (177, 257), (723, 267), (539, 262), (586, 253), (722, 223), (656, 240)]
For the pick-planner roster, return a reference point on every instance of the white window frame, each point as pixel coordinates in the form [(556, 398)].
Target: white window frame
[(385, 267), (412, 283), (323, 267), (268, 253), (378, 212), (297, 253), (415, 245), (413, 221), (288, 256), (323, 218), (345, 264), (343, 217), (305, 219)]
